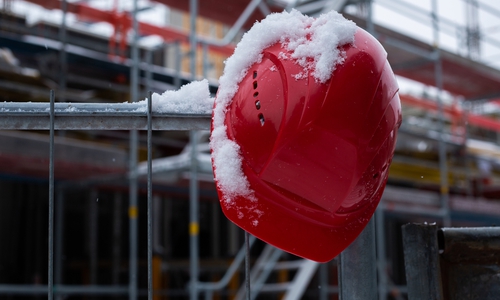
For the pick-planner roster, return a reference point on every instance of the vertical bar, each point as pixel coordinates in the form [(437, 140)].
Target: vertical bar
[(149, 74), (150, 202), (381, 261), (438, 74), (117, 234), (193, 181), (323, 281), (93, 230), (193, 215), (206, 63), (51, 200), (247, 266), (215, 230), (178, 61), (62, 54), (358, 270), (193, 11), (133, 201), (59, 239), (468, 176), (133, 212), (421, 253), (369, 17)]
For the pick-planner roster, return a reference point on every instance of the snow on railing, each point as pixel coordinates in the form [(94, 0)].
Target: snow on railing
[(95, 116)]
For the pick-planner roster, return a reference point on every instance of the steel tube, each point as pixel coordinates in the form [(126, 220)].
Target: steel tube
[(133, 184), (95, 116), (358, 270), (29, 289), (421, 253), (62, 53), (150, 202), (51, 201), (438, 73), (381, 258), (476, 244), (59, 237), (193, 179), (247, 265), (194, 227)]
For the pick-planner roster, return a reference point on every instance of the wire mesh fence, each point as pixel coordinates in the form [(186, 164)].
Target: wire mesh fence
[(88, 116)]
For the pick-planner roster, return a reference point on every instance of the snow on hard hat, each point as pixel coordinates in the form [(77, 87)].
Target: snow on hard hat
[(303, 131)]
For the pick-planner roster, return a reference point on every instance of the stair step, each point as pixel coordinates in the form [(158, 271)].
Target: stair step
[(289, 265)]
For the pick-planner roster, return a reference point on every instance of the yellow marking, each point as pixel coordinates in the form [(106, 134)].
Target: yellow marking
[(133, 212), (194, 228)]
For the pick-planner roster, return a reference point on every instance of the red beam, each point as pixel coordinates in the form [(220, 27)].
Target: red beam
[(453, 112), (122, 22)]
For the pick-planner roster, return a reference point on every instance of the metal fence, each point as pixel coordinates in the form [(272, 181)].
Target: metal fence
[(357, 263), (79, 116)]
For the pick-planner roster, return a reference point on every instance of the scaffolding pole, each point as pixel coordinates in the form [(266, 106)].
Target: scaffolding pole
[(193, 178), (133, 211), (50, 295), (438, 75)]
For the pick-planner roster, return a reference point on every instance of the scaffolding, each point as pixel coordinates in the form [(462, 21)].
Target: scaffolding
[(409, 57)]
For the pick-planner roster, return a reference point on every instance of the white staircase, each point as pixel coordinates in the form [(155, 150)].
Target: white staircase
[(268, 262)]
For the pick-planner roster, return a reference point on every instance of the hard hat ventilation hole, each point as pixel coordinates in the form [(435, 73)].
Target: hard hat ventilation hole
[(262, 120), (375, 175), (256, 94), (254, 74), (254, 85), (257, 104)]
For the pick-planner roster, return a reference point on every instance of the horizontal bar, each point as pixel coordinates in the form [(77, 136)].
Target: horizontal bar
[(95, 116), (29, 289), (478, 244), (240, 256)]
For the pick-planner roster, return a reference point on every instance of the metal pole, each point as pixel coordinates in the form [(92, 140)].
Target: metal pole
[(380, 241), (93, 227), (62, 54), (178, 62), (421, 254), (117, 234), (379, 238), (247, 265), (62, 290), (357, 271), (51, 201), (193, 215), (206, 63), (133, 188), (149, 73), (193, 181), (369, 17), (193, 11), (323, 281), (150, 205), (438, 73), (59, 238)]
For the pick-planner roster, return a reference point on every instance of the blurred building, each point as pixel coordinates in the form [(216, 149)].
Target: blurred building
[(446, 168)]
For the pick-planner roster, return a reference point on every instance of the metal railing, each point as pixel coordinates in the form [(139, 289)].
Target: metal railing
[(96, 116), (140, 116)]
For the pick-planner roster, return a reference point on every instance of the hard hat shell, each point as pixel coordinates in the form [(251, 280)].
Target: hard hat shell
[(316, 155)]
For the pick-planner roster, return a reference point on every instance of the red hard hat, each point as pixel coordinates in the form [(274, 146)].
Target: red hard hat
[(316, 155)]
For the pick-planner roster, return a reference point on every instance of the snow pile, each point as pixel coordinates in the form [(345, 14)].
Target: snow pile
[(311, 43), (192, 98)]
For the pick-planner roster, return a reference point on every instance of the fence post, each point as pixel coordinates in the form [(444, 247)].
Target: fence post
[(358, 267)]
